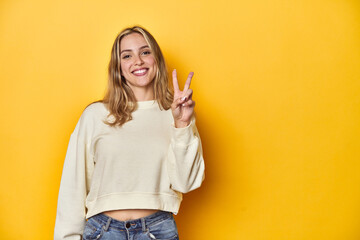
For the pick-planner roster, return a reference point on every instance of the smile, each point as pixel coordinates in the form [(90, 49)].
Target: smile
[(140, 72)]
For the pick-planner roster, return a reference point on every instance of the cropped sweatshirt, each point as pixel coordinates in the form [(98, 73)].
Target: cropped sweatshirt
[(146, 163)]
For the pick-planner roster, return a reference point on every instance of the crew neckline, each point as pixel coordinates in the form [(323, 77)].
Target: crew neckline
[(146, 104)]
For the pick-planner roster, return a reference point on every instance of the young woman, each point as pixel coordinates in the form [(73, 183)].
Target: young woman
[(133, 154)]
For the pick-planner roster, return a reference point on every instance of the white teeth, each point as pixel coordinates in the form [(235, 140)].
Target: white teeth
[(140, 71)]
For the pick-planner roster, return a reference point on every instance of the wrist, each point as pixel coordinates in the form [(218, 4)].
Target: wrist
[(180, 124)]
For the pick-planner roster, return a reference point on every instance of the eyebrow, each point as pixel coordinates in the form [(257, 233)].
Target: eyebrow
[(129, 50)]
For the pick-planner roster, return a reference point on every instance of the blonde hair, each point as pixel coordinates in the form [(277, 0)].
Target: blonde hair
[(119, 98)]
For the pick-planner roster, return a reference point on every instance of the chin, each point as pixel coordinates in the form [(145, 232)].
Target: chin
[(141, 84)]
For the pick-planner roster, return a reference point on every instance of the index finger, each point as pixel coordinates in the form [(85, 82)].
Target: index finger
[(175, 81), (188, 81)]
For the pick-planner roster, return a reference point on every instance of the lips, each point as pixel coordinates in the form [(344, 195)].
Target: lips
[(140, 72)]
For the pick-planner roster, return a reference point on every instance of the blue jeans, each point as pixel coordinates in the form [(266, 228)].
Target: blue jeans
[(160, 225)]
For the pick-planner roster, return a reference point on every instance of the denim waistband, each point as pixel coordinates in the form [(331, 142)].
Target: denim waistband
[(134, 223)]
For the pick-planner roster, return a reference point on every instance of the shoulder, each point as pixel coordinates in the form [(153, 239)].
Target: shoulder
[(94, 108), (94, 112)]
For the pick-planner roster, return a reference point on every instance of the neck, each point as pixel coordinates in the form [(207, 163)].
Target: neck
[(143, 94)]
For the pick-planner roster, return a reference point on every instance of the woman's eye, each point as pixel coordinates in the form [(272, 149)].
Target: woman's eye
[(125, 56), (146, 52)]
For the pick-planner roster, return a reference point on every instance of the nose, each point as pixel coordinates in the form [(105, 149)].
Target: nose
[(138, 60)]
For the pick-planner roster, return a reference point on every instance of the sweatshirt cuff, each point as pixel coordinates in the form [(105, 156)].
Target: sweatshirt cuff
[(183, 136)]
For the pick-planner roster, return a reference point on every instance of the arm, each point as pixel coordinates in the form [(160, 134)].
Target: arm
[(70, 216), (185, 159)]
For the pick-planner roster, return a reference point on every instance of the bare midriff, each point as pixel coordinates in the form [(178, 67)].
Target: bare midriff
[(129, 214)]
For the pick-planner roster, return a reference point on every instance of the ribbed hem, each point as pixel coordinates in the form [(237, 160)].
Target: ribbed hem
[(164, 202)]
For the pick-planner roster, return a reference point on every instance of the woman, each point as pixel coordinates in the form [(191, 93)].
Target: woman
[(133, 154)]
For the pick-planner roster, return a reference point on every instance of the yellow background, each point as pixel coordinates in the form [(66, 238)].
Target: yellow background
[(277, 86)]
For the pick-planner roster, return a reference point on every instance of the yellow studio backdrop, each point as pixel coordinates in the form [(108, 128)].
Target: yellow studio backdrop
[(277, 86)]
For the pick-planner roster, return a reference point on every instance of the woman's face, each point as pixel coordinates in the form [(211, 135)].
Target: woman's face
[(137, 62)]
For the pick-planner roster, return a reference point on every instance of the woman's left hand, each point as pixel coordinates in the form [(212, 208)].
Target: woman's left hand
[(183, 106)]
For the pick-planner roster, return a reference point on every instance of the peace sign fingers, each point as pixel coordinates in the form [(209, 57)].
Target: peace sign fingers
[(176, 83)]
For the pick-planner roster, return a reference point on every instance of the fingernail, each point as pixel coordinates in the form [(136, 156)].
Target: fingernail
[(183, 104), (183, 98)]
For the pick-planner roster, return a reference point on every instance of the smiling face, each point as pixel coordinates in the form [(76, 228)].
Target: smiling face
[(138, 65)]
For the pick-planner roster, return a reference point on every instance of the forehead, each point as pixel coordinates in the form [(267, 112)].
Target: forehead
[(133, 41)]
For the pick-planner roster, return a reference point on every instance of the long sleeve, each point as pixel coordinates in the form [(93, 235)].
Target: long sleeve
[(70, 216), (185, 163)]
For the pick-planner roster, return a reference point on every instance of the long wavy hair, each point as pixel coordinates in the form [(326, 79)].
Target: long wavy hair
[(119, 98)]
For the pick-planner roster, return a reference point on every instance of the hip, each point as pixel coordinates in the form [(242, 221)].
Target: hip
[(159, 225)]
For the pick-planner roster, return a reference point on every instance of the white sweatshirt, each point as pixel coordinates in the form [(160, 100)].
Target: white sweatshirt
[(145, 164)]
